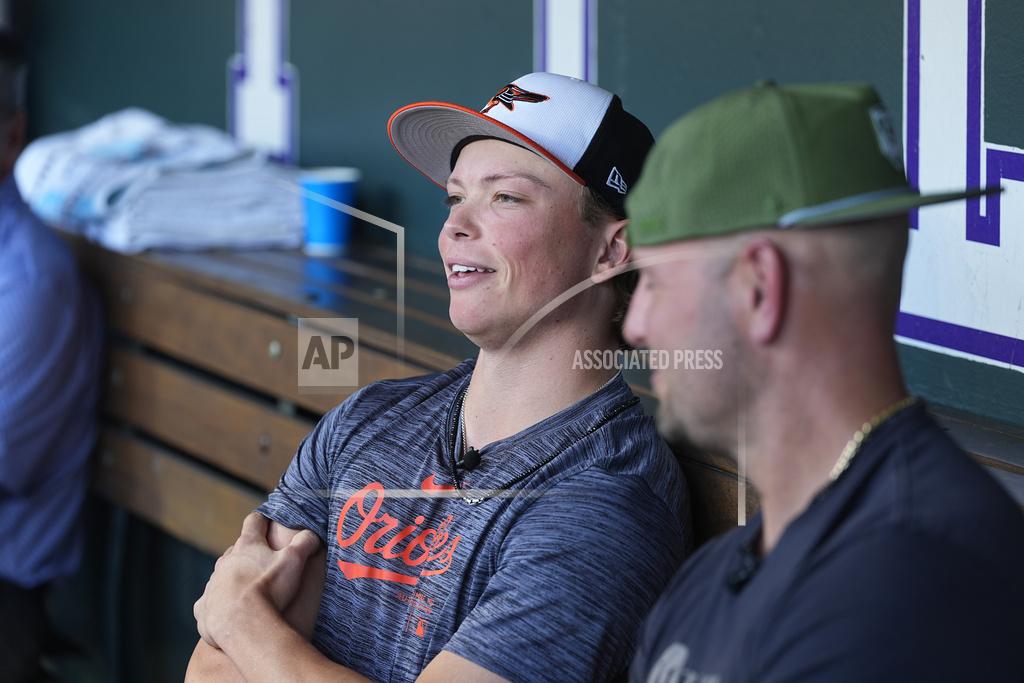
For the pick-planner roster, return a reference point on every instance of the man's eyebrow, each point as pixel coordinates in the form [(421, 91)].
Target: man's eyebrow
[(525, 176), (495, 177)]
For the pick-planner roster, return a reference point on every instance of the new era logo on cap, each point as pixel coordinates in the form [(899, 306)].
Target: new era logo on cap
[(616, 182), (576, 125)]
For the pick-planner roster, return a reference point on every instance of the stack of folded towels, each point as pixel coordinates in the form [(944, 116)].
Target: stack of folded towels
[(132, 181)]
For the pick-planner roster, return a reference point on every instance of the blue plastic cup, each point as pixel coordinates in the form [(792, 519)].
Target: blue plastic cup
[(327, 228)]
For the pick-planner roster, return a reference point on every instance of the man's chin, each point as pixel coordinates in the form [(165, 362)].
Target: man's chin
[(676, 438), (470, 324), (490, 329), (486, 337), (687, 443), (675, 433)]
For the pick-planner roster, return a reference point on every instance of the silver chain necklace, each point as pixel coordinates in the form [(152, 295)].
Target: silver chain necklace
[(462, 422), (465, 449)]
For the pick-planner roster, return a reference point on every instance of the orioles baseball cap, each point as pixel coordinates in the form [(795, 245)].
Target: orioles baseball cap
[(577, 126), (775, 156)]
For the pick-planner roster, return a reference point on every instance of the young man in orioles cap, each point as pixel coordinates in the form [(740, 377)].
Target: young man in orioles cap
[(513, 518), (771, 224)]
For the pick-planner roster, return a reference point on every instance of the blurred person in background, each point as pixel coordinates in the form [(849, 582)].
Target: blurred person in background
[(50, 341)]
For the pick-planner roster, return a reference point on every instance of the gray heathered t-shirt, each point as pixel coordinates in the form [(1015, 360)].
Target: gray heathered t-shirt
[(548, 584)]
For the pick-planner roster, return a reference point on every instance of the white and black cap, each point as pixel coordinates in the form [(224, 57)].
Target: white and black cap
[(579, 127)]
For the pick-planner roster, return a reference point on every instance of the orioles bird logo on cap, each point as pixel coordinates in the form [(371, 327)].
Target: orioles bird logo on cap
[(511, 94)]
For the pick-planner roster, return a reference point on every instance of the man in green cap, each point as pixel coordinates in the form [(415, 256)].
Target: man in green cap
[(771, 224)]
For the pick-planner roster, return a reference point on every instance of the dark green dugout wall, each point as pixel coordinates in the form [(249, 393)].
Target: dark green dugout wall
[(358, 60), (667, 57)]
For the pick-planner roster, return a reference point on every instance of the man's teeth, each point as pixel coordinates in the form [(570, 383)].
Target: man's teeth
[(459, 268)]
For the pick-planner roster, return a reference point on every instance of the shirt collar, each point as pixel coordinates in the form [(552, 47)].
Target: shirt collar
[(508, 462)]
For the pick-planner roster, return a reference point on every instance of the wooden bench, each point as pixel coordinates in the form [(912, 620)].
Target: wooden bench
[(202, 412)]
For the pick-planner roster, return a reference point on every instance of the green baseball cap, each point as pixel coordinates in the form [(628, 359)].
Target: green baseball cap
[(774, 156)]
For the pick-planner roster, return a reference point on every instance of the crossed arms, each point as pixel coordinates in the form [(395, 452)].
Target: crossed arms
[(257, 615)]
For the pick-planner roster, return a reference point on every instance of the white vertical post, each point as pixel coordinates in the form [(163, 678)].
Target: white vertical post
[(263, 87), (565, 37)]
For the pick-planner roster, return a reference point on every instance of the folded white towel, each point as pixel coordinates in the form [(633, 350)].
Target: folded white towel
[(132, 181)]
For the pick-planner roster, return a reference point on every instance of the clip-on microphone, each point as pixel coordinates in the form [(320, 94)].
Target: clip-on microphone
[(470, 461)]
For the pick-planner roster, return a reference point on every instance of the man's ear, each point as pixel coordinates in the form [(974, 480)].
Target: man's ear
[(761, 280), (614, 255)]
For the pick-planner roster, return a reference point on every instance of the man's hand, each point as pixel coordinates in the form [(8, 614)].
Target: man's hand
[(249, 573), (252, 585)]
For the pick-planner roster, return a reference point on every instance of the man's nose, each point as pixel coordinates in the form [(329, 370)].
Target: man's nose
[(461, 223), (634, 326)]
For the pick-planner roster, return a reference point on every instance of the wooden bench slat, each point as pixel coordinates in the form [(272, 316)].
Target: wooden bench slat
[(435, 347), (714, 495), (384, 256), (432, 292), (248, 346), (249, 440), (205, 273), (431, 312), (192, 504)]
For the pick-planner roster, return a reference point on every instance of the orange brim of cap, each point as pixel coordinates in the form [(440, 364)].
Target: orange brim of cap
[(426, 133)]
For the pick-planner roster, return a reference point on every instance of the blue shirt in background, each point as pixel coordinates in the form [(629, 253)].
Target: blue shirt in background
[(50, 345), (546, 581)]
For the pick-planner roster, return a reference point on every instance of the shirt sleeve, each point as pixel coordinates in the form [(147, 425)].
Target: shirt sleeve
[(575, 576), (896, 607), (302, 497), (49, 362)]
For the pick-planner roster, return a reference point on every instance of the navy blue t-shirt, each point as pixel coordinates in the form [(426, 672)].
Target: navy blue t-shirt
[(582, 524), (908, 568)]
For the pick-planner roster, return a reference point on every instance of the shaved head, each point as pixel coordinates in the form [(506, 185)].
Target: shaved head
[(847, 274)]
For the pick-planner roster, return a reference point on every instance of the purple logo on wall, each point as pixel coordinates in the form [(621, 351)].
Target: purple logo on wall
[(963, 290)]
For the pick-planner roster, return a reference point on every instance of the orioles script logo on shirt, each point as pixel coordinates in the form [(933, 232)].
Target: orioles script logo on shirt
[(424, 550)]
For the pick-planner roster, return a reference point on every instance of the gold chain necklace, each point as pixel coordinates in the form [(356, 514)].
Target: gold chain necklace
[(854, 444)]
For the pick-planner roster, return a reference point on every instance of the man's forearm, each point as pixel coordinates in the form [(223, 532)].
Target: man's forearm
[(210, 664), (264, 647)]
